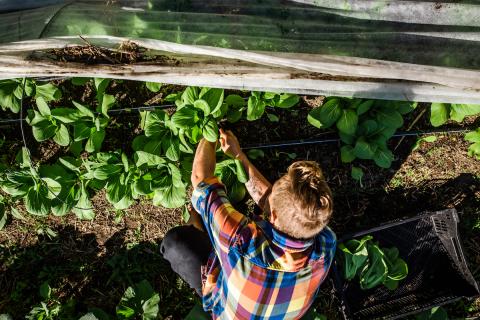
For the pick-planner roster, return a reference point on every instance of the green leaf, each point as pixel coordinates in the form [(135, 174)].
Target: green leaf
[(83, 209), (272, 118), (473, 136), (389, 117), (190, 95), (376, 271), (404, 107), (255, 108), (185, 117), (101, 85), (142, 157), (348, 121), (210, 130), (364, 149), (44, 130), (287, 101), (62, 136), (357, 173), (125, 162), (65, 202), (48, 92), (94, 142), (364, 106), (155, 123), (255, 153), (439, 114), (81, 131), (78, 81), (3, 216), (53, 187), (84, 111), (115, 190), (139, 300), (36, 201), (326, 115), (241, 174), (107, 171), (213, 97), (474, 150), (43, 107), (459, 111), (355, 256), (368, 128), (106, 102), (202, 105), (347, 154), (171, 145), (8, 100), (383, 157), (153, 86), (16, 214), (234, 100), (65, 115), (170, 197), (45, 291)]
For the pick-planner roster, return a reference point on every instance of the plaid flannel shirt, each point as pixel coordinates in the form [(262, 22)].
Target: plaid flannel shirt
[(255, 271)]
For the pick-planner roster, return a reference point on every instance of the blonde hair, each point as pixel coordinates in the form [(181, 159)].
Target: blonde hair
[(302, 200)]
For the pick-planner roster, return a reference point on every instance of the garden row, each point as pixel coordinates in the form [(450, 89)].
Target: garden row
[(160, 165)]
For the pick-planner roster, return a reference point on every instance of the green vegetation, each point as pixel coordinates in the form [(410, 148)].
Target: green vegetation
[(154, 163), (371, 264), (365, 127)]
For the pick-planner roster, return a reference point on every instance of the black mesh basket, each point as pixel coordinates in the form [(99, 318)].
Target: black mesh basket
[(438, 273)]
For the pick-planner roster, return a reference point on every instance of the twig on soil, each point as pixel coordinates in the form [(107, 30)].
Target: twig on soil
[(411, 126), (97, 51)]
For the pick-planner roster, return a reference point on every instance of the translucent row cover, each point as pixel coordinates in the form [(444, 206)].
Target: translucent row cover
[(417, 46)]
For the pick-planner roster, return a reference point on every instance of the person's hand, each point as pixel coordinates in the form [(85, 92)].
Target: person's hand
[(229, 144)]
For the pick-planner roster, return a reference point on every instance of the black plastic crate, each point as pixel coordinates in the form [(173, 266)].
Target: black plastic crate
[(438, 273)]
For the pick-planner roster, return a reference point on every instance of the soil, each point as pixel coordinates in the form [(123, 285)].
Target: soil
[(127, 53), (94, 261)]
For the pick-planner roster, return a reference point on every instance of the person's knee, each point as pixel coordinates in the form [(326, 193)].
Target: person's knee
[(174, 239)]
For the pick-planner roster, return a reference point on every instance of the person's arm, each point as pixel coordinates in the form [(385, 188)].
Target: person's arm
[(204, 162), (257, 185), (210, 200)]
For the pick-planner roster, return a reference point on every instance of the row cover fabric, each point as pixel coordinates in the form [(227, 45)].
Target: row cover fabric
[(423, 41)]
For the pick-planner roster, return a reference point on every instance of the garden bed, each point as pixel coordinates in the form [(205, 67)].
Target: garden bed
[(95, 261)]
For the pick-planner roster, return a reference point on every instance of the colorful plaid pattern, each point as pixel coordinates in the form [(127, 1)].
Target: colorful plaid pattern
[(255, 271)]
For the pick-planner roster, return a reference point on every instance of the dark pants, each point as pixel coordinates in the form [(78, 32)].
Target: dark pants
[(187, 249)]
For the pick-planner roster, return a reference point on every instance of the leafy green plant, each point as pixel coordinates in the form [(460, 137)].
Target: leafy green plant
[(372, 265), (442, 112), (161, 137), (258, 101), (233, 175), (89, 127), (37, 188), (11, 92), (116, 173), (153, 86), (163, 180), (47, 123), (139, 302), (474, 148), (50, 307), (197, 113), (364, 126)]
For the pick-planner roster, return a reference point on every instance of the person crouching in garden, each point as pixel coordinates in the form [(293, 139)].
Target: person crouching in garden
[(254, 268)]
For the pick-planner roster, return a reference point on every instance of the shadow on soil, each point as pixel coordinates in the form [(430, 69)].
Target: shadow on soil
[(94, 276)]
